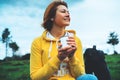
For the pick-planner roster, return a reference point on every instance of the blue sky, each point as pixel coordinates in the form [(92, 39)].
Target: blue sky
[(93, 20)]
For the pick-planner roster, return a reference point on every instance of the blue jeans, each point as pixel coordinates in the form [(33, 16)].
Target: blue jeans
[(87, 77)]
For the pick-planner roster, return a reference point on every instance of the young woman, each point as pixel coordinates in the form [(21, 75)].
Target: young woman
[(57, 53)]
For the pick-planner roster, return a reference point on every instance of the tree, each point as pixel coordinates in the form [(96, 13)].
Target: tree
[(6, 38), (113, 40), (14, 47)]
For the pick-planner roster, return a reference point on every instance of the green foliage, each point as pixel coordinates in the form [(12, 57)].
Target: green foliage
[(6, 38), (14, 46), (19, 70), (5, 35), (113, 39), (113, 62), (14, 70)]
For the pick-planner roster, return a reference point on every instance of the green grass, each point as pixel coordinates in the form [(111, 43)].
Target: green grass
[(113, 62), (19, 69), (14, 70)]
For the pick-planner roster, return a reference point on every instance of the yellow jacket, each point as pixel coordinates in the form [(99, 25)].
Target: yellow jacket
[(44, 61)]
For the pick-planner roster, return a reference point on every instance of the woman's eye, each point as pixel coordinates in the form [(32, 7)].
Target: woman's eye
[(64, 11)]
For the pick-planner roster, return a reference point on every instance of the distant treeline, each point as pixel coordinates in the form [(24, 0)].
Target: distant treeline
[(24, 57)]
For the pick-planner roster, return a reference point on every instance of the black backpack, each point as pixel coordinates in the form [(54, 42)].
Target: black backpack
[(93, 55)]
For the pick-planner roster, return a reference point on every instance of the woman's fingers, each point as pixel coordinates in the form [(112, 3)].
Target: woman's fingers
[(67, 51)]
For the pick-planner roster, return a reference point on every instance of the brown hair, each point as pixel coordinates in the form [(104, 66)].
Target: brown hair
[(50, 13)]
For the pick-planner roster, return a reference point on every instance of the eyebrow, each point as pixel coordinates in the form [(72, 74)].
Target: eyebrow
[(63, 10)]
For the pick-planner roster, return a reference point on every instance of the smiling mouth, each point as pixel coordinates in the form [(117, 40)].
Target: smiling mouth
[(67, 19)]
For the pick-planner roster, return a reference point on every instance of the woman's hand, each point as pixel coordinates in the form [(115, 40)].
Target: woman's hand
[(72, 43), (67, 51), (62, 53)]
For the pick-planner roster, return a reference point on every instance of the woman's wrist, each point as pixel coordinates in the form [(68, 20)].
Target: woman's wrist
[(60, 58)]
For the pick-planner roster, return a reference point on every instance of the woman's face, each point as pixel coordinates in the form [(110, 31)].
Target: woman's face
[(62, 17)]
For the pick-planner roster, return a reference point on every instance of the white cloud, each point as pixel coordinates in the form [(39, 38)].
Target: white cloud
[(92, 19)]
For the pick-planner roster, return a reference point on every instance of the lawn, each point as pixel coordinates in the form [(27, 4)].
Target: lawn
[(19, 69), (14, 70), (113, 62)]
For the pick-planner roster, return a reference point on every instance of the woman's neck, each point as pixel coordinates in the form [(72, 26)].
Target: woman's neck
[(57, 32)]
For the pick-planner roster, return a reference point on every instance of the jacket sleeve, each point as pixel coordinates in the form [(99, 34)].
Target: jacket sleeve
[(76, 63), (38, 71)]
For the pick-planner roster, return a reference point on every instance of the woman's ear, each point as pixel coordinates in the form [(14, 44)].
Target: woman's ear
[(52, 19)]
